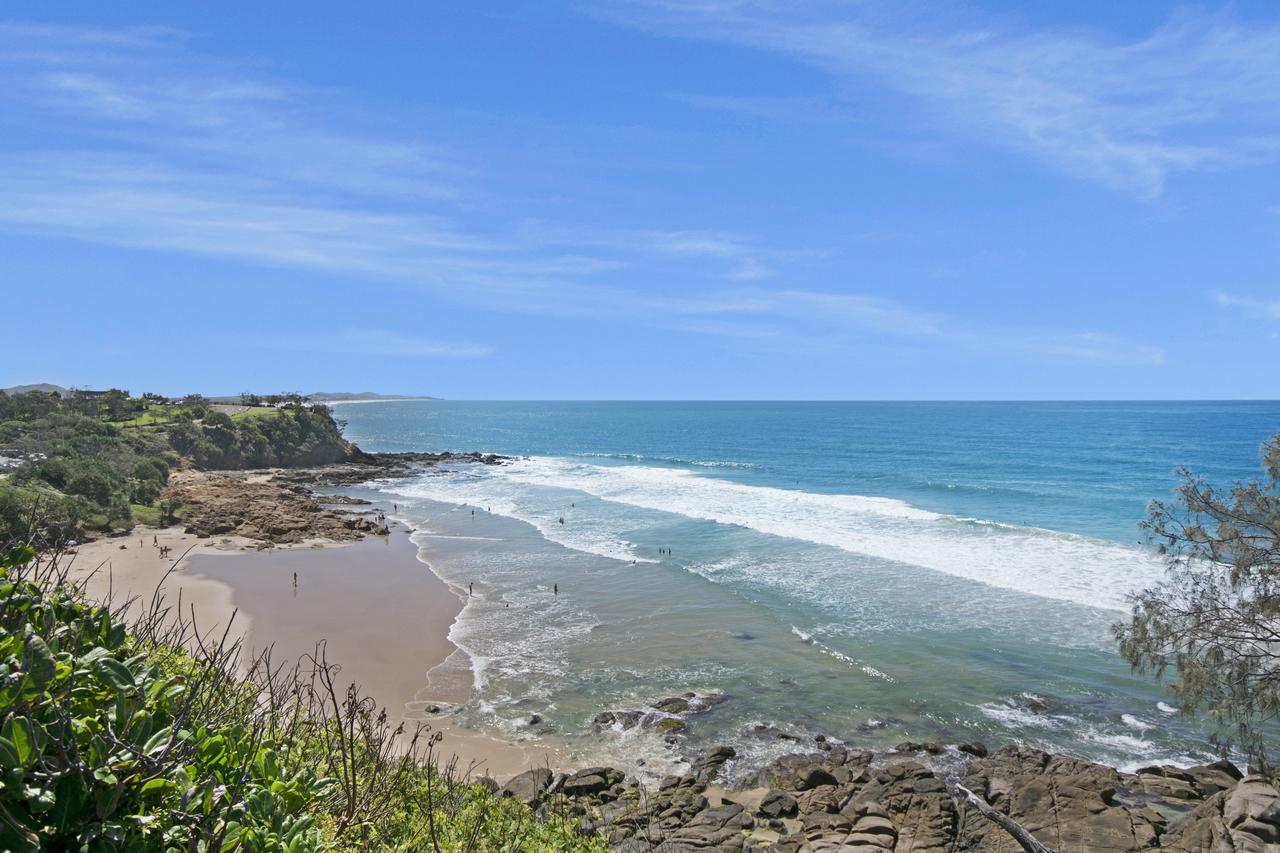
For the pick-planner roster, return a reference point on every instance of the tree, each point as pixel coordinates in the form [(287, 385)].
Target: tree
[(1215, 619)]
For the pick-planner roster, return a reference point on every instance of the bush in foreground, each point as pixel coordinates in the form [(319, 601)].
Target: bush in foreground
[(143, 735)]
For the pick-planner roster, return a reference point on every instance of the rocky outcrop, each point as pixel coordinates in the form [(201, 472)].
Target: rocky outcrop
[(361, 467), (1243, 819), (278, 507), (235, 504), (837, 800)]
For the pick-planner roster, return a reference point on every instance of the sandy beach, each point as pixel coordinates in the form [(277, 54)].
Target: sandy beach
[(382, 613)]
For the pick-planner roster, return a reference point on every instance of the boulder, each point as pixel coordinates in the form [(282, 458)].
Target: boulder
[(673, 705), (621, 719), (707, 765), (777, 804), (528, 786), (590, 780), (797, 772)]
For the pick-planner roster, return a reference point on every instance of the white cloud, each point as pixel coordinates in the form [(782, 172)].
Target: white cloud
[(378, 342), (1084, 348), (1269, 309), (1198, 92)]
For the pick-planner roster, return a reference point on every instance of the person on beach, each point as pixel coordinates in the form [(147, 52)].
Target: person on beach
[(555, 588), (471, 589), (155, 541), (562, 519)]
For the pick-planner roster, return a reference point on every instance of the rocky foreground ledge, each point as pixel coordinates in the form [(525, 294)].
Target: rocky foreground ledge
[(840, 800)]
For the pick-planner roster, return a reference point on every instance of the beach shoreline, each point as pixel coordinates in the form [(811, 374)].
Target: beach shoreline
[(373, 607)]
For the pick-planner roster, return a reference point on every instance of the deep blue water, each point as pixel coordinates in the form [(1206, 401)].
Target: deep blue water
[(1087, 468)]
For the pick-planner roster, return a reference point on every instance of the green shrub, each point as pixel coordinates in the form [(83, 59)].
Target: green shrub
[(114, 737)]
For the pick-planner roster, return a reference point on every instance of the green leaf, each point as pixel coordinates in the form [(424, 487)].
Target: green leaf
[(211, 749), (158, 786), (9, 756), (96, 653), (19, 555), (40, 800), (20, 732), (299, 826), (114, 673), (40, 662), (158, 741), (15, 837), (69, 798)]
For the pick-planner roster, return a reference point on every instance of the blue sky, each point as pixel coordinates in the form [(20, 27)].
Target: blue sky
[(710, 199)]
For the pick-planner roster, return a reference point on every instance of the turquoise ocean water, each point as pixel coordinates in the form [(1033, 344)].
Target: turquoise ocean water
[(868, 571)]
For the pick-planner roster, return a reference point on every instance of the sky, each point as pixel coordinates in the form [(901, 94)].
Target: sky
[(715, 199)]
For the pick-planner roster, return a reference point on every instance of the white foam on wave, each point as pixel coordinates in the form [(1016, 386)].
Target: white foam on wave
[(492, 494), (865, 668), (1134, 723), (1031, 560), (673, 460)]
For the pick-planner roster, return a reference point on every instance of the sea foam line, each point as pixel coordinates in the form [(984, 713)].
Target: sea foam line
[(1031, 560)]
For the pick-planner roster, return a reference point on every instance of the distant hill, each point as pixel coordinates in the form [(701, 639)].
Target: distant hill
[(353, 396), (42, 387)]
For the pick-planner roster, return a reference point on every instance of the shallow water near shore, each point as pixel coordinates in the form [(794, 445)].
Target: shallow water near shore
[(872, 572)]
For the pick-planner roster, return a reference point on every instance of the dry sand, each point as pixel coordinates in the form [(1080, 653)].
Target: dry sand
[(382, 613)]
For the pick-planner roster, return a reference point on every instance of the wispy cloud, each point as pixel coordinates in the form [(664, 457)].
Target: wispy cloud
[(1266, 308), (1082, 348), (147, 148), (1198, 92), (377, 342)]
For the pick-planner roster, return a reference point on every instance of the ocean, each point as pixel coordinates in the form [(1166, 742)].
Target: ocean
[(869, 572)]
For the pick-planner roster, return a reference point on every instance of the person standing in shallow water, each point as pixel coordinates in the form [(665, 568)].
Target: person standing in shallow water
[(556, 588)]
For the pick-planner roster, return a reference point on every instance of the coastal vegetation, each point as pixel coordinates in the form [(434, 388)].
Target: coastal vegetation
[(1214, 623), (142, 734), (101, 460)]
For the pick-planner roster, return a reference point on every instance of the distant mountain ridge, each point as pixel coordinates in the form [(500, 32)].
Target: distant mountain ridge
[(42, 387)]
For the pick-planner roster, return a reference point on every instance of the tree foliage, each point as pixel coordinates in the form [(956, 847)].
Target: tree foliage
[(90, 457), (1214, 622)]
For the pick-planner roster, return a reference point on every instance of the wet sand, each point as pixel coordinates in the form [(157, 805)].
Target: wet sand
[(382, 613)]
